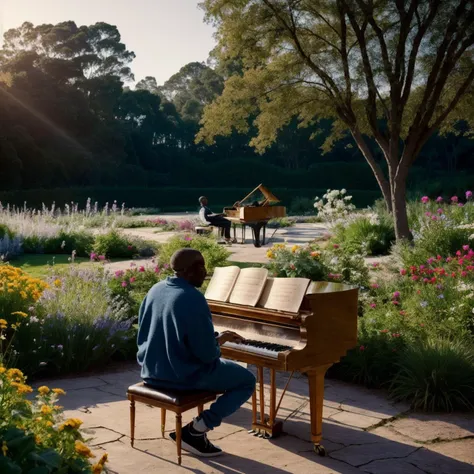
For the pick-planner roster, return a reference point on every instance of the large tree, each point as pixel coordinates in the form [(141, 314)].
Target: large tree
[(392, 71)]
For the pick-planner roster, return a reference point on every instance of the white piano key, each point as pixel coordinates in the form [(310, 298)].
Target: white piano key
[(252, 349)]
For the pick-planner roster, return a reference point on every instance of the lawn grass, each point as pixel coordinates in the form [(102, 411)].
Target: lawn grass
[(40, 265)]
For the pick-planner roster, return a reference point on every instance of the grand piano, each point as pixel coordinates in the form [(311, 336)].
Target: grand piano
[(308, 341), (255, 210)]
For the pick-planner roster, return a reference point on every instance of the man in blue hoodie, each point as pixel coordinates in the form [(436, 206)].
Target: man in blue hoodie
[(179, 349)]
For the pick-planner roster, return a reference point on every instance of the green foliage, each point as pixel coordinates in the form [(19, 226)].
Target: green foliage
[(437, 375), (66, 241), (365, 235), (114, 244), (5, 231), (35, 438), (280, 222), (215, 255), (133, 284), (77, 324), (301, 206)]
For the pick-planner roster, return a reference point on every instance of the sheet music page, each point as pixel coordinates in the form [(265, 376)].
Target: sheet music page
[(222, 282), (249, 286), (284, 294)]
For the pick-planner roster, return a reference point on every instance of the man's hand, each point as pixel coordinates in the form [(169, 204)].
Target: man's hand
[(229, 336)]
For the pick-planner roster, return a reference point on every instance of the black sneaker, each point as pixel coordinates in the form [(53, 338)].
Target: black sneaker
[(196, 443)]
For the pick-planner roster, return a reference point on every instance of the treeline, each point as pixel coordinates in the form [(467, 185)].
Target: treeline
[(68, 120)]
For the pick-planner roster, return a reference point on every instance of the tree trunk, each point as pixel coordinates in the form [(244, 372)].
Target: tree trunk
[(399, 206)]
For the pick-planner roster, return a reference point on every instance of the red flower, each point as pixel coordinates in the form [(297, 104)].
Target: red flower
[(403, 272), (403, 313), (362, 348), (395, 334), (395, 302), (384, 331), (141, 269)]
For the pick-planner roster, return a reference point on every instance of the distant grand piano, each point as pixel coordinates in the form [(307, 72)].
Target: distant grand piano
[(255, 213), (289, 324)]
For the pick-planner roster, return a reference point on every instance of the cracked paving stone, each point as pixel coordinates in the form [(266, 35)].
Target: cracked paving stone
[(355, 419), (363, 454), (426, 427), (101, 435), (391, 466), (445, 460)]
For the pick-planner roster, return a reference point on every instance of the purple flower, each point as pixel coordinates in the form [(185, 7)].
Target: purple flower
[(101, 257), (93, 256), (454, 199), (119, 273), (468, 194), (124, 284)]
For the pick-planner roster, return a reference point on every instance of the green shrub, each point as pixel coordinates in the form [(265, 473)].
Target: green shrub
[(34, 435), (214, 254), (301, 206), (76, 324), (368, 235), (64, 242), (436, 375), (114, 244), (280, 222), (6, 231)]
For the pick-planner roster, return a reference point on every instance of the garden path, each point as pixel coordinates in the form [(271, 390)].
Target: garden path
[(363, 433)]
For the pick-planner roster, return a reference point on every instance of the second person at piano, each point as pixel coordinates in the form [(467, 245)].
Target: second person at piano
[(218, 220), (178, 349)]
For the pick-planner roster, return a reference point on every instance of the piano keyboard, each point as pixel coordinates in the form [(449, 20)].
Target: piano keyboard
[(267, 349)]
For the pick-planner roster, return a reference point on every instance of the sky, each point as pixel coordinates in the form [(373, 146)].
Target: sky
[(164, 34)]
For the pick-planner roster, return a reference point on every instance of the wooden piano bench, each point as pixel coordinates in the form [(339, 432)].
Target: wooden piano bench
[(173, 400)]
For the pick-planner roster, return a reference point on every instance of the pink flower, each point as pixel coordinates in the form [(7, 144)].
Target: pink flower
[(395, 302), (427, 214), (403, 313), (375, 264), (465, 247), (157, 269), (460, 204), (468, 194), (362, 348), (375, 285), (292, 266), (141, 269), (132, 279), (454, 199), (458, 253), (403, 272), (129, 247), (434, 218), (464, 274), (415, 277), (395, 334), (440, 211), (373, 305), (119, 273), (124, 284), (336, 246), (93, 256), (448, 259), (430, 260), (439, 199), (396, 294), (101, 257), (425, 199)]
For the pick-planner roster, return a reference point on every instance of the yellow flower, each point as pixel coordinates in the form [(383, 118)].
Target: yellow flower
[(2, 370), (59, 391), (15, 374), (46, 410), (270, 254), (5, 448), (58, 407), (73, 423), (57, 283), (3, 322), (43, 390), (83, 450), (97, 468), (295, 248), (22, 388), (49, 424), (37, 439), (315, 254), (20, 313)]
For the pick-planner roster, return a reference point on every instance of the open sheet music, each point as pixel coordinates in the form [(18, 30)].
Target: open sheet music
[(222, 283), (284, 294), (249, 286)]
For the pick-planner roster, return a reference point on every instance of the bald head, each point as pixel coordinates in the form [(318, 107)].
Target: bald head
[(189, 264)]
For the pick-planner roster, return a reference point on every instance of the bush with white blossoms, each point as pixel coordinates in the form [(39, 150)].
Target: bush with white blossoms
[(334, 205)]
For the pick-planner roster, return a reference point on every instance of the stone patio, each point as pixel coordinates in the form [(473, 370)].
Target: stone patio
[(363, 433)]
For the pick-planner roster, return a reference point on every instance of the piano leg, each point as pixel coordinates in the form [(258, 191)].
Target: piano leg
[(316, 400), (256, 233)]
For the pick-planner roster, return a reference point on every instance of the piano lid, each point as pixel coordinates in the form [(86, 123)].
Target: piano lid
[(268, 196)]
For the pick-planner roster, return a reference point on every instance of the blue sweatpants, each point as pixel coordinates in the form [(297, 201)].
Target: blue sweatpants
[(235, 382)]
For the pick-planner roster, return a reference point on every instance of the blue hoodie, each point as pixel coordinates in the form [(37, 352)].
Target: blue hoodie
[(176, 339)]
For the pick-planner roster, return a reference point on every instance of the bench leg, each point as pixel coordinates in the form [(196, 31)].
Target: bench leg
[(178, 437), (200, 409), (132, 421), (163, 421)]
